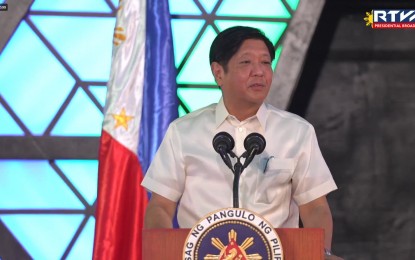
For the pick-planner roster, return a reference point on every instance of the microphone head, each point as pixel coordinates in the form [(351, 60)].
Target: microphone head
[(255, 140), (224, 141)]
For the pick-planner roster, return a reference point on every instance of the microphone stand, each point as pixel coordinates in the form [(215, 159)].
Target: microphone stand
[(237, 171), (223, 144)]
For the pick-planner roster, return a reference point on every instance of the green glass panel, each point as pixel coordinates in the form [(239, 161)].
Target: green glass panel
[(197, 68), (43, 236), (184, 34), (273, 30), (195, 98), (208, 5), (293, 3), (277, 57), (100, 93), (251, 8), (183, 7), (182, 112), (81, 118)]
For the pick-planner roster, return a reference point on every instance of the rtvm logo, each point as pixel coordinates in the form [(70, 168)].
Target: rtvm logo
[(391, 19)]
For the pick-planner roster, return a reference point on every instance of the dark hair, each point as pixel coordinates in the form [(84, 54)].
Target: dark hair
[(228, 42)]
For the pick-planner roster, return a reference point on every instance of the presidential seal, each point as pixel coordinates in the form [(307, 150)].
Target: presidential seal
[(232, 234)]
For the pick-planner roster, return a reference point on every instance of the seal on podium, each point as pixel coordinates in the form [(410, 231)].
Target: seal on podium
[(232, 234)]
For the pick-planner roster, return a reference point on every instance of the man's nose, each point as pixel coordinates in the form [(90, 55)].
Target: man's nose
[(258, 69)]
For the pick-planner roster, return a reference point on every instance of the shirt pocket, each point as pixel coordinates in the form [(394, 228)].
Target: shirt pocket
[(274, 179)]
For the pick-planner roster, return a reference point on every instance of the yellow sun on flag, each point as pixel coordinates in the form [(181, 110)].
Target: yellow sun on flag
[(369, 18), (119, 32), (119, 36), (122, 119)]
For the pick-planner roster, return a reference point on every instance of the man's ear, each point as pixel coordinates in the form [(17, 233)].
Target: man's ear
[(217, 71)]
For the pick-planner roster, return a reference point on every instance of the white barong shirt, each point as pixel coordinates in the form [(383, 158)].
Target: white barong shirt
[(291, 171)]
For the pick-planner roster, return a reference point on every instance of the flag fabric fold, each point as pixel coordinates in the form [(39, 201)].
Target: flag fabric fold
[(160, 103), (141, 102)]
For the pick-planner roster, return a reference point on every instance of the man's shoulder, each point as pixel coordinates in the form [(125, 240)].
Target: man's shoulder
[(276, 113), (200, 115)]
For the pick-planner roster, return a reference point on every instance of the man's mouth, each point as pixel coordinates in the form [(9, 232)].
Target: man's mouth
[(257, 85)]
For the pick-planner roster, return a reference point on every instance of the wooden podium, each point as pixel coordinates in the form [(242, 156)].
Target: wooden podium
[(297, 243)]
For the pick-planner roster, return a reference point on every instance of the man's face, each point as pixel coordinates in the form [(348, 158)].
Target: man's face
[(247, 81)]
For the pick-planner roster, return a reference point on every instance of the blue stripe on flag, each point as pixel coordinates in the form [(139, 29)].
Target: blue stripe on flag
[(160, 103)]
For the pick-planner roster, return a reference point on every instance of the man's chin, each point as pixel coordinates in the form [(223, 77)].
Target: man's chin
[(258, 96)]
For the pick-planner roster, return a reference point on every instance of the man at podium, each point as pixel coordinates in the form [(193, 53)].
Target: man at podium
[(288, 180)]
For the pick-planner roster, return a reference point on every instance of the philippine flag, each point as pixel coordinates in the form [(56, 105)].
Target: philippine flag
[(141, 102)]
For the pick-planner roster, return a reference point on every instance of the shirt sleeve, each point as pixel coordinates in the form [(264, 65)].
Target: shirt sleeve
[(312, 177), (166, 174)]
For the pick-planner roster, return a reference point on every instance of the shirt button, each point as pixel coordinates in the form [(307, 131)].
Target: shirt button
[(240, 129)]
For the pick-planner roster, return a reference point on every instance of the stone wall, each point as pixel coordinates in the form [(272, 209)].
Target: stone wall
[(363, 109)]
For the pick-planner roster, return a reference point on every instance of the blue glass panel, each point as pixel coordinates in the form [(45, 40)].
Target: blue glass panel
[(293, 3), (71, 6), (115, 3), (7, 124), (273, 30), (81, 118), (37, 96), (84, 42), (184, 33), (196, 98), (43, 236), (250, 8), (34, 184), (83, 246), (183, 7), (197, 68), (100, 93), (83, 174), (208, 5)]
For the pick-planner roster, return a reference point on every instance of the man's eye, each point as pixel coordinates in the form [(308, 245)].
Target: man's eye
[(266, 62), (245, 61)]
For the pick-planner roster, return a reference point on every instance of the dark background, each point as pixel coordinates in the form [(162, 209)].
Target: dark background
[(358, 90)]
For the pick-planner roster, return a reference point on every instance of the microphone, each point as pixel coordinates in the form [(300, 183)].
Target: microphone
[(254, 144), (223, 143)]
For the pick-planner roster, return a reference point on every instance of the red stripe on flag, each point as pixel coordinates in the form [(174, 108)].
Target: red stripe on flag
[(121, 202)]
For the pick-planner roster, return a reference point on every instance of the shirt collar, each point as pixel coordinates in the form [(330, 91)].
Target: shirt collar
[(262, 115), (222, 113)]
